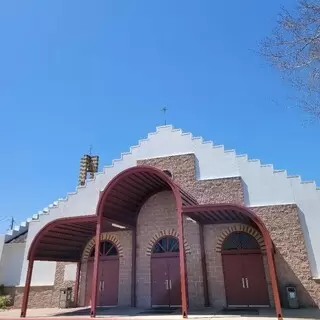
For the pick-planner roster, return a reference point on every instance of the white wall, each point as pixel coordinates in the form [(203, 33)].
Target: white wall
[(70, 272), (263, 185), (2, 237), (11, 263)]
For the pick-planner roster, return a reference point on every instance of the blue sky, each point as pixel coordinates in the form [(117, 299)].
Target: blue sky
[(74, 74)]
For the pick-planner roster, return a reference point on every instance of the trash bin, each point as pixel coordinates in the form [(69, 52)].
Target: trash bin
[(65, 298), (292, 297)]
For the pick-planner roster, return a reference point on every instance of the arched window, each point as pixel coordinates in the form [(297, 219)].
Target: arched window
[(166, 244), (240, 241), (107, 248)]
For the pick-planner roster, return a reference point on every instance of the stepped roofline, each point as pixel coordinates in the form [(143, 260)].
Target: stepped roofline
[(21, 229)]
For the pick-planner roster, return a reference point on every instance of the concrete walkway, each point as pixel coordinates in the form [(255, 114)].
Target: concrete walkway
[(141, 314)]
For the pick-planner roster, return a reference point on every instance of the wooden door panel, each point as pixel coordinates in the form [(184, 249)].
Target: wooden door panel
[(256, 283), (233, 280), (159, 282), (174, 281), (109, 278)]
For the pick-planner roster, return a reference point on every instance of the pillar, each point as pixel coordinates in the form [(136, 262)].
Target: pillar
[(26, 290), (182, 266), (95, 276), (272, 272), (204, 267), (133, 270), (77, 284)]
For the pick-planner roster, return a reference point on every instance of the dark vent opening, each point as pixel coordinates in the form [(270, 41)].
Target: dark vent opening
[(168, 173)]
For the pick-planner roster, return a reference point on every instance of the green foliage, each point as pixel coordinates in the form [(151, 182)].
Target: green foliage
[(5, 301)]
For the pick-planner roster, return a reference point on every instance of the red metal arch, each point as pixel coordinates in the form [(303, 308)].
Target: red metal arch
[(144, 172), (123, 187), (87, 225), (239, 213)]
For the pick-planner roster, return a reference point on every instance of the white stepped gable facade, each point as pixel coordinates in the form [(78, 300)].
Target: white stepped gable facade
[(262, 184)]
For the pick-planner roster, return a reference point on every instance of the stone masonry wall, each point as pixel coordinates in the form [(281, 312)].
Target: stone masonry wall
[(157, 214), (183, 168), (194, 265), (292, 264), (43, 296), (39, 297)]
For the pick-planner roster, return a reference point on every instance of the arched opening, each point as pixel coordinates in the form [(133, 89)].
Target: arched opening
[(108, 277), (120, 203), (165, 273), (244, 273), (235, 213)]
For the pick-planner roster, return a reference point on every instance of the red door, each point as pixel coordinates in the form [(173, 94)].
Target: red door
[(173, 264), (159, 282), (108, 277), (234, 280), (165, 278), (109, 282), (255, 281), (245, 282)]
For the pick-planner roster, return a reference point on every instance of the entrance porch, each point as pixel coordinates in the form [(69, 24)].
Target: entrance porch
[(119, 207)]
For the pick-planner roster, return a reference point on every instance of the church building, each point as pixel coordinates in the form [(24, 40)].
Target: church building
[(177, 222)]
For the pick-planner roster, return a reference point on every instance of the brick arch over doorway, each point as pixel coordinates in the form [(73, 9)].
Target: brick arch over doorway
[(164, 233), (105, 236), (241, 227), (246, 284)]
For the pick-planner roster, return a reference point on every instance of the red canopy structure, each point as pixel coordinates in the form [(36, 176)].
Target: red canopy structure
[(120, 203)]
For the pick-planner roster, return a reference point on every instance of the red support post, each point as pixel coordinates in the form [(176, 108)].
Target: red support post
[(95, 276), (273, 275), (26, 289), (204, 267), (133, 269), (182, 266), (76, 286)]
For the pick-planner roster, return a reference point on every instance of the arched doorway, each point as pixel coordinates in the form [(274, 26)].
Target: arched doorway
[(165, 273), (108, 278), (244, 274)]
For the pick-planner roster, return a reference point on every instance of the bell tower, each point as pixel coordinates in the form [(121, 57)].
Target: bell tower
[(88, 165)]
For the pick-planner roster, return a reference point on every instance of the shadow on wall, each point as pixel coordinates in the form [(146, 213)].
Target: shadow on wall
[(197, 168), (245, 191), (313, 263), (287, 277)]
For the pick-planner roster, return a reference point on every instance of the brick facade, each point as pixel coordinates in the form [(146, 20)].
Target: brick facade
[(292, 264), (158, 216), (183, 169)]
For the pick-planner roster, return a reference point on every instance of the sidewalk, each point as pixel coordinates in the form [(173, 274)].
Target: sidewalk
[(142, 314)]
